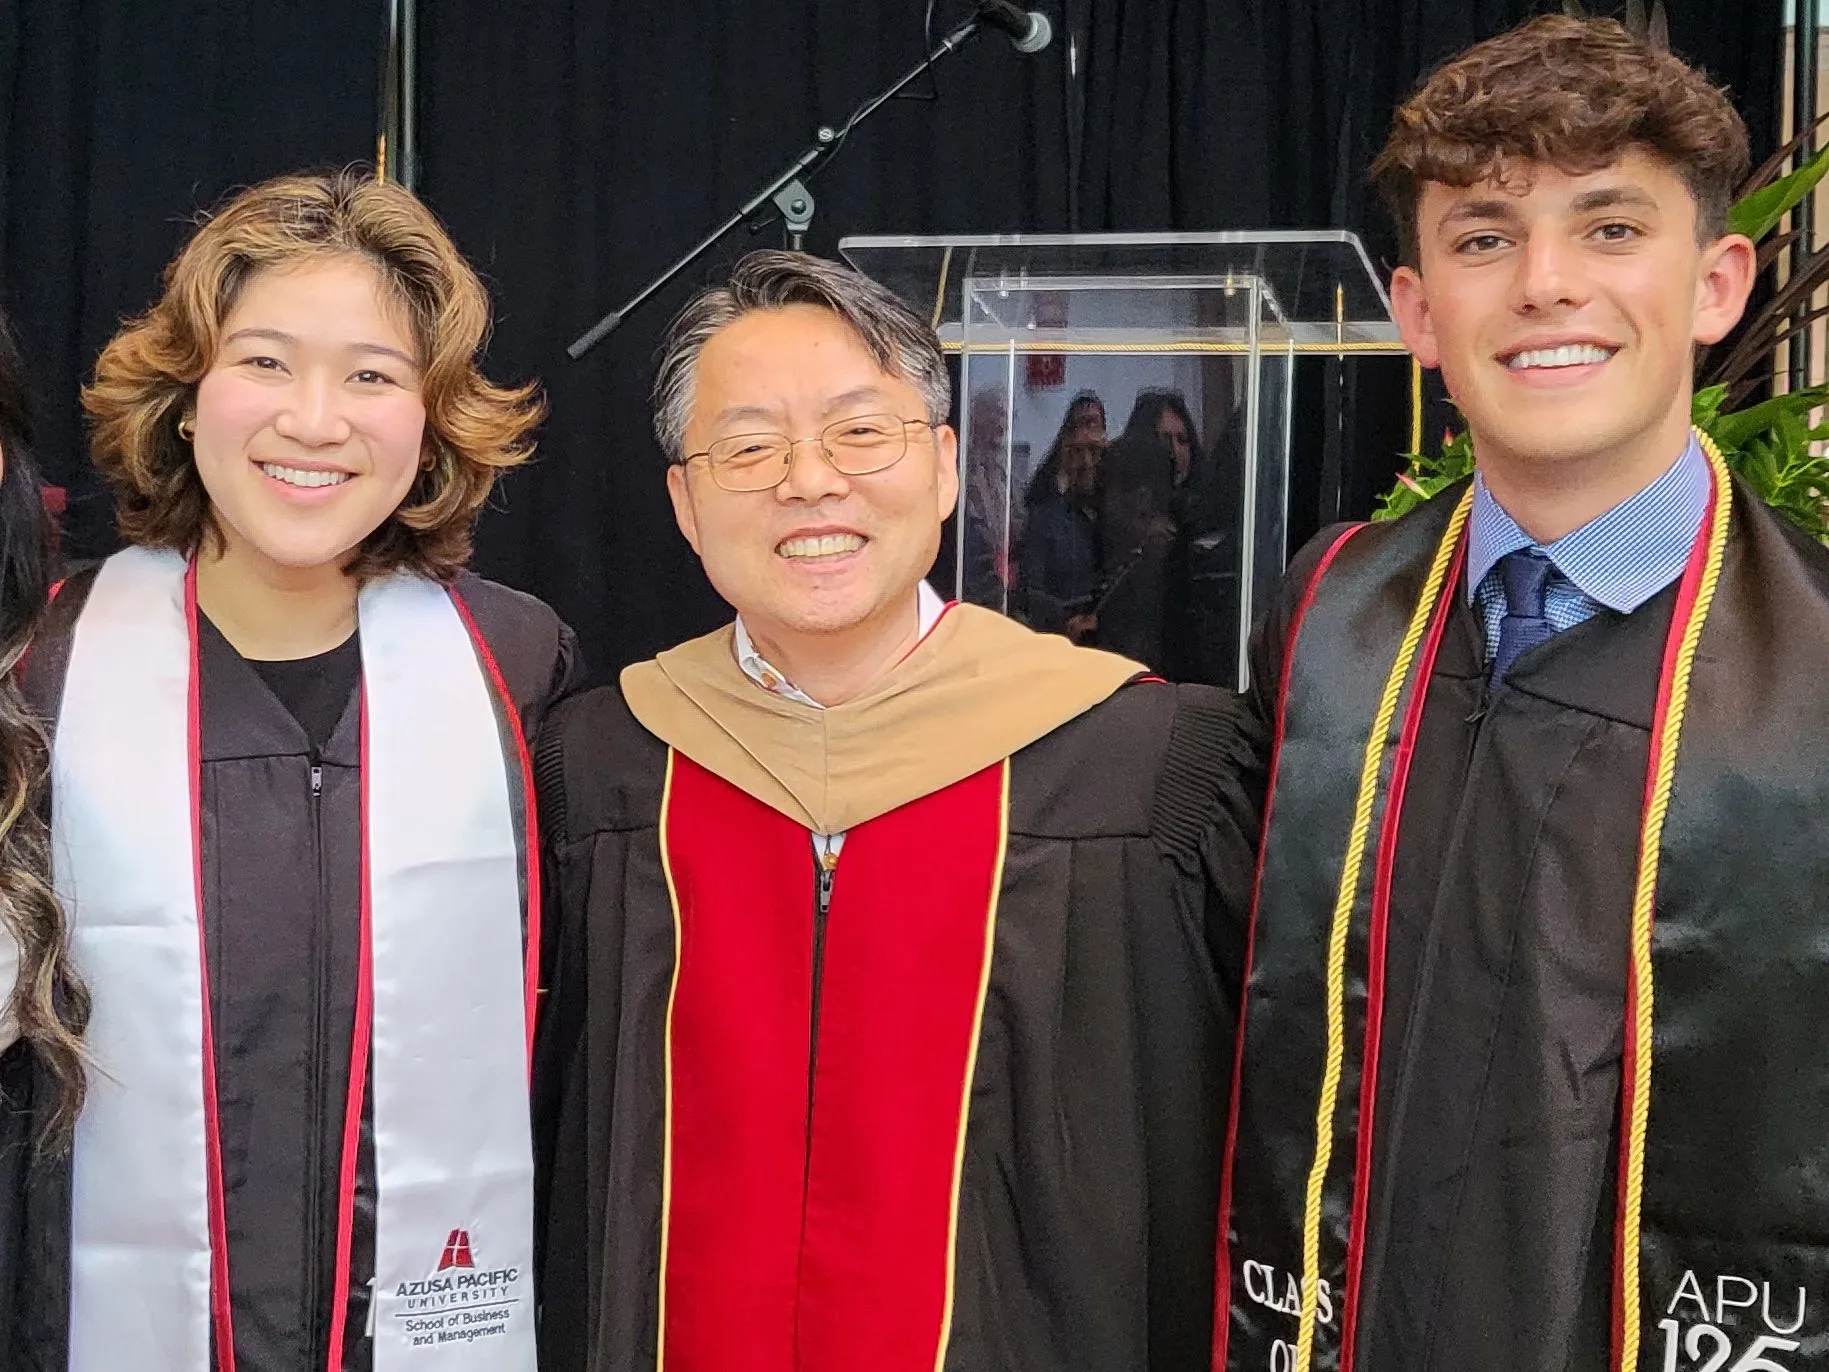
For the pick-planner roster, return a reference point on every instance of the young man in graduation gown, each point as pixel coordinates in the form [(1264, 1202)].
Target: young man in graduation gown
[(1531, 1070), (882, 1028)]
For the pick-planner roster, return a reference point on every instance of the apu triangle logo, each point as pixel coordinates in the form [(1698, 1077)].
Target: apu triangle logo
[(456, 1251)]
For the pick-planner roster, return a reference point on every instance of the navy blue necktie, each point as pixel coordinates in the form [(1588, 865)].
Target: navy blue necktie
[(1524, 574)]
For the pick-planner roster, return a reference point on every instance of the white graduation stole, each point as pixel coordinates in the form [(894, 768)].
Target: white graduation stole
[(443, 992)]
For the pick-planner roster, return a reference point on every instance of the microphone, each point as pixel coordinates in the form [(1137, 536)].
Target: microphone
[(1029, 30)]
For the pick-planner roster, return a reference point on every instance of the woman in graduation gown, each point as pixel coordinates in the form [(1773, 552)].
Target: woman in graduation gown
[(44, 1006), (291, 807)]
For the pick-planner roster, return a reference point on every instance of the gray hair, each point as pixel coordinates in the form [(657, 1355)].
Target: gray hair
[(903, 343)]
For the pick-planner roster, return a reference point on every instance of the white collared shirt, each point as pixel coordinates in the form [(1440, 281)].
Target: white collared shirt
[(929, 608)]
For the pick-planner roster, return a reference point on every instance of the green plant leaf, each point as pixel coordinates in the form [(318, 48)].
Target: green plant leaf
[(1736, 430), (1705, 405), (1758, 214), (1768, 170), (1769, 446), (1762, 467), (1424, 476)]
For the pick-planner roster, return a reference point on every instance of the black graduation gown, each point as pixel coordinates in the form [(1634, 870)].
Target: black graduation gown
[(282, 903), (1086, 1200), (34, 1221), (1495, 1160)]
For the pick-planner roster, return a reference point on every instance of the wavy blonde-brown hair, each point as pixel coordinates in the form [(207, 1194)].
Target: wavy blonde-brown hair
[(147, 376)]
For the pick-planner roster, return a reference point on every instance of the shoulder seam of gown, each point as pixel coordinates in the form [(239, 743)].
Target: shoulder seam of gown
[(1199, 758)]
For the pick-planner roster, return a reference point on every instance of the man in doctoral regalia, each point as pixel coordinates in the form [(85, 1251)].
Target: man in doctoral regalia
[(882, 1029), (1531, 1073)]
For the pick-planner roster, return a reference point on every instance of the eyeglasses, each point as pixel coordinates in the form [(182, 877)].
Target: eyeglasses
[(853, 447)]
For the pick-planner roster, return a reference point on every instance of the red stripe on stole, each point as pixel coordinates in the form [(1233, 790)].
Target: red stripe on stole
[(837, 1262)]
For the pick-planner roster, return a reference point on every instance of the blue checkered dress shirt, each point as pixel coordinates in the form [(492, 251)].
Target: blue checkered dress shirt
[(1617, 561)]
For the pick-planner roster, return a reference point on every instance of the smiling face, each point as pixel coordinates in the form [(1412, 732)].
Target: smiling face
[(822, 553), (309, 423), (1563, 310)]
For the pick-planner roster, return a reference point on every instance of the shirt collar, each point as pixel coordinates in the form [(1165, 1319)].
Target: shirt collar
[(928, 606), (1619, 559)]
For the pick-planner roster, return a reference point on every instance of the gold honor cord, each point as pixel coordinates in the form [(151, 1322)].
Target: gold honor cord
[(1644, 898), (1342, 922), (673, 989), (971, 1064), (1416, 406)]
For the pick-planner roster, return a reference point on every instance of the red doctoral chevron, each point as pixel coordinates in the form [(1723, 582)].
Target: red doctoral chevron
[(457, 1251)]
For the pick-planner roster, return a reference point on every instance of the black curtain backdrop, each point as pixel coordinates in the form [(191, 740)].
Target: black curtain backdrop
[(575, 148)]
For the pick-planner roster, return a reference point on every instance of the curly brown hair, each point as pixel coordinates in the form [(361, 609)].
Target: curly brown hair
[(147, 376), (1573, 93)]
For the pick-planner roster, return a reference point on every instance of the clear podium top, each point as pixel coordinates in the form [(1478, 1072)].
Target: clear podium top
[(1315, 289)]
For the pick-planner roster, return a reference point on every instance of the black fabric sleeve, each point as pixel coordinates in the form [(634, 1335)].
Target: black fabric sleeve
[(599, 777), (568, 675), (558, 1026), (1207, 816)]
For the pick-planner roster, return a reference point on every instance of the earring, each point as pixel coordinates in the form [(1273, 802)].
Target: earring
[(187, 428)]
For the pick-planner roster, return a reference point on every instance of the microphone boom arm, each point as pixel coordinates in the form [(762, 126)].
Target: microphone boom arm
[(827, 143)]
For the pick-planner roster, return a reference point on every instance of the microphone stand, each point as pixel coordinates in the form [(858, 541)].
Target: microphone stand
[(788, 190)]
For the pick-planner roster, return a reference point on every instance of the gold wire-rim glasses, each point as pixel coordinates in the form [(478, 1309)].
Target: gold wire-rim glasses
[(868, 451)]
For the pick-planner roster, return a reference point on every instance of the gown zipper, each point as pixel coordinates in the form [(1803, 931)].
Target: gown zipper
[(825, 868), (320, 975)]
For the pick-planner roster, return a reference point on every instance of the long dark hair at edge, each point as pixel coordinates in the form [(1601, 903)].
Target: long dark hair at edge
[(48, 1002)]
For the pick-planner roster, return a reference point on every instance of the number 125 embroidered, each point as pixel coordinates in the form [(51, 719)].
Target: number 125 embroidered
[(1709, 1349)]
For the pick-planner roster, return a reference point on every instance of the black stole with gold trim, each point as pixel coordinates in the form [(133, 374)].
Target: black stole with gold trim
[(1722, 1261)]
